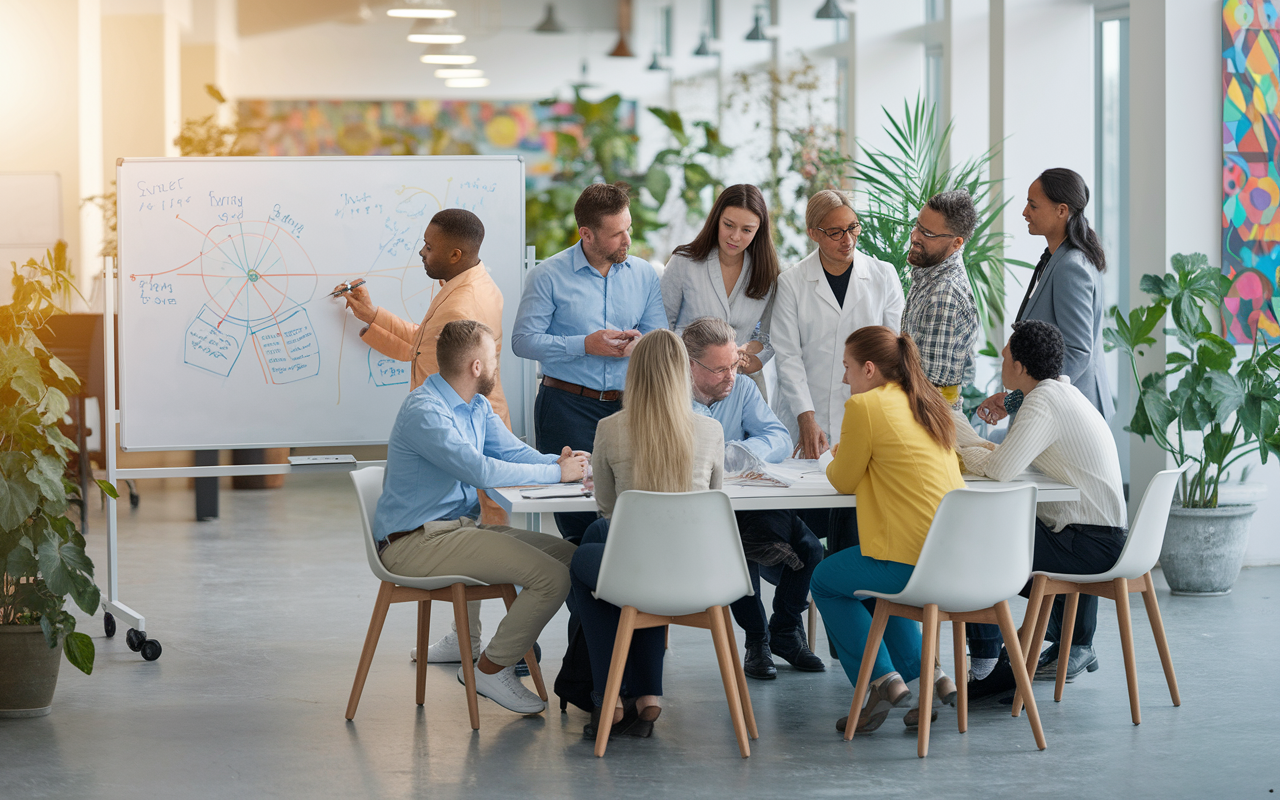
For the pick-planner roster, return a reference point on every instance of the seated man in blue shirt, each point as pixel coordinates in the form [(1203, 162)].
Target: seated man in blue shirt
[(776, 542), (446, 443), (582, 312)]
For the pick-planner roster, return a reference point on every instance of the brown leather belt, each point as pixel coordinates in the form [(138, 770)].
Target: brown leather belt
[(610, 396), (391, 537)]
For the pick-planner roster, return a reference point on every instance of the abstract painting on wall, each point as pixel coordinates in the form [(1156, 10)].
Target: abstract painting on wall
[(1250, 180)]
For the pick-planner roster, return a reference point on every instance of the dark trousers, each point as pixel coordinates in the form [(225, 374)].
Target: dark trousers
[(838, 527), (643, 674), (560, 419), (792, 595), (1076, 549)]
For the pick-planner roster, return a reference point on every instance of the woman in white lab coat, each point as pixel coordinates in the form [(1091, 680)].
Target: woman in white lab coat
[(829, 294)]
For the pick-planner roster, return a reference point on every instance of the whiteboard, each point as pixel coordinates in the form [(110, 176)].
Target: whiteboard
[(228, 337)]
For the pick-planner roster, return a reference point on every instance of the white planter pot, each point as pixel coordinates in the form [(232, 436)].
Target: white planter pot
[(1204, 548)]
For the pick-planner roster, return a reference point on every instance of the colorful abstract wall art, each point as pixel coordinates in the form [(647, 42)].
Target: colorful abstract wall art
[(1250, 181)]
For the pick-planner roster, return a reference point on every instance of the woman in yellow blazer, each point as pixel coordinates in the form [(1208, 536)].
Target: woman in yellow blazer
[(895, 454)]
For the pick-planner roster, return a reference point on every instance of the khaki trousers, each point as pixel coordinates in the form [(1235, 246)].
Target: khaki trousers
[(537, 562)]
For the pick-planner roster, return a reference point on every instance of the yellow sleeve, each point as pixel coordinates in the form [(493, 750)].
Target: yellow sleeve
[(854, 454)]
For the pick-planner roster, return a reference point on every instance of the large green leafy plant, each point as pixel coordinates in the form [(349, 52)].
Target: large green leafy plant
[(1222, 407), (42, 557)]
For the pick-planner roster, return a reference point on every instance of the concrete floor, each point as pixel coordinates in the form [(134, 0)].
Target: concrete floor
[(262, 614)]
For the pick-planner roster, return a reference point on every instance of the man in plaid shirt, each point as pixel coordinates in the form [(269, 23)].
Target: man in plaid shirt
[(940, 313)]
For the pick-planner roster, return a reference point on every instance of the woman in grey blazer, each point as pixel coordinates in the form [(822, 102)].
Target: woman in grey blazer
[(730, 271), (1066, 287)]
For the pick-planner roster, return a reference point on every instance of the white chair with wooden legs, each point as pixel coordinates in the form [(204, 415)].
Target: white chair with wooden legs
[(1131, 573), (456, 589), (976, 556), (676, 559)]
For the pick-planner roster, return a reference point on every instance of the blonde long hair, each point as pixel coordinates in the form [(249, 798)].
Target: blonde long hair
[(658, 402)]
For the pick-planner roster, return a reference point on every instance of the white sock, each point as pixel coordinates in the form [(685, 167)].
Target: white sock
[(982, 667)]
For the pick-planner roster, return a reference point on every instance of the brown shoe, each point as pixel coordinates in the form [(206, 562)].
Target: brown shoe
[(912, 719), (876, 709)]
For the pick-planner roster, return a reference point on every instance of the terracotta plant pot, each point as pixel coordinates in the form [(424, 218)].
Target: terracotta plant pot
[(1204, 548), (28, 672)]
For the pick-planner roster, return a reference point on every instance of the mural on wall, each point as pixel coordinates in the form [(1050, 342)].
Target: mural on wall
[(1250, 181), (413, 127)]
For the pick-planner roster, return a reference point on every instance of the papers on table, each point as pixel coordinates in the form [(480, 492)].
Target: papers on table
[(791, 472), (556, 490)]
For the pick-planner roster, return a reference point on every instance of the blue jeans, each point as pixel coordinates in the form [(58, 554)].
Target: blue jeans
[(792, 596), (1076, 549), (643, 674), (848, 619), (560, 419)]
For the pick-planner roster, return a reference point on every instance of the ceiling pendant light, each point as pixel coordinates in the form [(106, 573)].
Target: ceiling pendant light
[(467, 83), (435, 31), (830, 10), (756, 34), (703, 48), (447, 55), (549, 23), (454, 72), (622, 49), (655, 65), (421, 9)]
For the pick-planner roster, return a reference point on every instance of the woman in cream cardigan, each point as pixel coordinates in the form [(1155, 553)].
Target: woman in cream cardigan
[(655, 443)]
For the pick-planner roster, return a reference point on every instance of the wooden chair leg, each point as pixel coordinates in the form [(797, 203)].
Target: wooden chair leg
[(1162, 644), (1064, 644), (458, 592), (813, 624), (878, 622), (962, 676), (740, 677), (928, 654), (728, 676), (1126, 645), (1023, 678), (1037, 642), (621, 646), (530, 658), (424, 640), (380, 607)]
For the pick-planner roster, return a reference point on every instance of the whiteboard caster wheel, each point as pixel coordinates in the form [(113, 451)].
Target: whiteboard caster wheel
[(109, 624), (135, 638), (151, 650)]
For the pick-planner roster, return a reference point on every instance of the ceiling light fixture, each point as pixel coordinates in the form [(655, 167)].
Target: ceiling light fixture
[(703, 48), (655, 65), (549, 23), (830, 10), (446, 55), (434, 32), (421, 9), (467, 83), (756, 34), (459, 73)]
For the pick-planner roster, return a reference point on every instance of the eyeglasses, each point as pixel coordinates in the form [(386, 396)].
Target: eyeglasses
[(719, 373), (836, 234), (928, 235)]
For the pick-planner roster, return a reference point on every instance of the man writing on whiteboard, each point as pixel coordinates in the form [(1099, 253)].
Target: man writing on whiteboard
[(450, 254), (582, 312), (446, 443)]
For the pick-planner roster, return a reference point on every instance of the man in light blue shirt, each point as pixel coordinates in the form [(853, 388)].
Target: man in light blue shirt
[(582, 312), (777, 543), (446, 443)]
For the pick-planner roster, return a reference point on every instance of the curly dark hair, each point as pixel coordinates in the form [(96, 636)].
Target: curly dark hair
[(956, 207), (1037, 346)]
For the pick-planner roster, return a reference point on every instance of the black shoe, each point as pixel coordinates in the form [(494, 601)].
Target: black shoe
[(758, 663), (792, 648), (628, 719), (522, 669), (999, 682)]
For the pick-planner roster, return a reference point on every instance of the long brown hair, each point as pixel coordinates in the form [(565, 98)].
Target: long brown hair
[(657, 402), (898, 360), (764, 259)]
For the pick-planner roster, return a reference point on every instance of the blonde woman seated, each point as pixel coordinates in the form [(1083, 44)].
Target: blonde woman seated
[(895, 454), (655, 443)]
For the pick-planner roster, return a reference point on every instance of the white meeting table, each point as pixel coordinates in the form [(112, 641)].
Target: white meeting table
[(810, 494)]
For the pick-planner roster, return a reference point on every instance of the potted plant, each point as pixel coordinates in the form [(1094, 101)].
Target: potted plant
[(1210, 405), (42, 557)]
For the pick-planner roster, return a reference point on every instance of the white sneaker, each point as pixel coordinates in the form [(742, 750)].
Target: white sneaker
[(446, 650), (505, 689)]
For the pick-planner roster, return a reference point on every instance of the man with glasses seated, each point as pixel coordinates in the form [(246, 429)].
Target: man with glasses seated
[(777, 544), (940, 314), (829, 294)]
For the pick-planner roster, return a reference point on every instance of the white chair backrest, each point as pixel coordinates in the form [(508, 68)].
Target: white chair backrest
[(368, 483), (978, 550), (673, 554), (1142, 547)]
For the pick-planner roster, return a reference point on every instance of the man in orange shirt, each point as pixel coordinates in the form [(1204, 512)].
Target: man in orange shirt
[(451, 254)]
